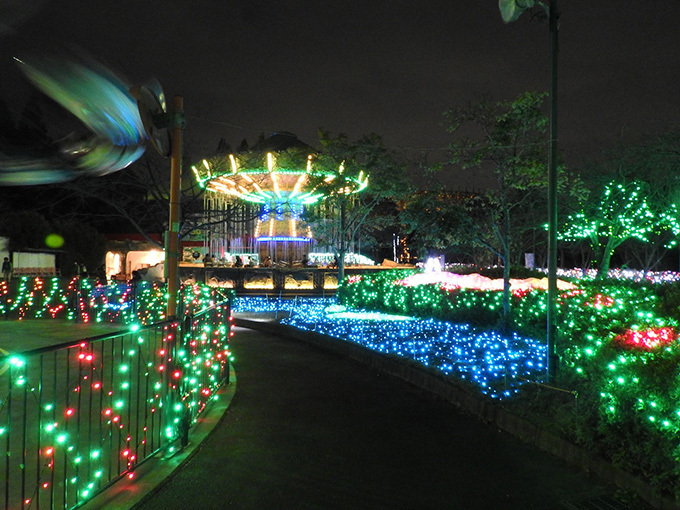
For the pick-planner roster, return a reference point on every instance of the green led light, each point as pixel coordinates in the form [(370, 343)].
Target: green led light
[(16, 362)]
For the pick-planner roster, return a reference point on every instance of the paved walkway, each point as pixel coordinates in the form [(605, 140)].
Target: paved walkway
[(29, 334), (308, 429)]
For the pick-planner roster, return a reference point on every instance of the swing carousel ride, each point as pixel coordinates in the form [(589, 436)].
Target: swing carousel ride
[(270, 188)]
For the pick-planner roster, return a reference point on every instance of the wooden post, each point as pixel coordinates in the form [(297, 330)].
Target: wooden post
[(172, 242)]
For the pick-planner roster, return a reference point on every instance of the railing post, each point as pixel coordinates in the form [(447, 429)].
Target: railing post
[(169, 387)]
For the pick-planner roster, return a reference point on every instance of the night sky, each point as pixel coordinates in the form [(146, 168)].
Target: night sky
[(386, 66)]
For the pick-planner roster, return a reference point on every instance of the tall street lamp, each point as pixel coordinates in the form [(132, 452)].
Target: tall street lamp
[(510, 11)]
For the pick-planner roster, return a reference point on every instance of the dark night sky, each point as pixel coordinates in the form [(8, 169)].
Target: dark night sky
[(385, 66)]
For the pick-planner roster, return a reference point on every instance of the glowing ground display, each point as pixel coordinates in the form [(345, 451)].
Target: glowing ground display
[(618, 345), (498, 366)]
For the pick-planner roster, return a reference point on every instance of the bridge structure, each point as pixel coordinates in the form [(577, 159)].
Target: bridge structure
[(284, 280)]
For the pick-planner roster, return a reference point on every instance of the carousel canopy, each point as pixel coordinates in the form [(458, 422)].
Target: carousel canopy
[(279, 170)]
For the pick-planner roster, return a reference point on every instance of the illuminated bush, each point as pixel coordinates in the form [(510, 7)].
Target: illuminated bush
[(619, 350), (86, 301)]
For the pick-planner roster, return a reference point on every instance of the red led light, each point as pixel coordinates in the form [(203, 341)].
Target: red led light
[(647, 339)]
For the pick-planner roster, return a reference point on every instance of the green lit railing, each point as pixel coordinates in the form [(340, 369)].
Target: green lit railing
[(76, 417)]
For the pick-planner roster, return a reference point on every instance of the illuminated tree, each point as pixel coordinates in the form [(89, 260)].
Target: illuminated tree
[(622, 212), (654, 160)]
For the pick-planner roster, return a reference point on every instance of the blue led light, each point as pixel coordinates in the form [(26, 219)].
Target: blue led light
[(498, 365), (284, 238), (266, 209)]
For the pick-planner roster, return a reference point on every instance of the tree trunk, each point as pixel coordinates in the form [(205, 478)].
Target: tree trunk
[(603, 269), (342, 245), (505, 321)]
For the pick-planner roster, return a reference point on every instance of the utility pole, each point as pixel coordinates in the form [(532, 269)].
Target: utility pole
[(553, 16), (510, 11), (172, 240)]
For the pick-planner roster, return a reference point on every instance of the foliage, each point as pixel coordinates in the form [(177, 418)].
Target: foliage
[(132, 200), (626, 406), (651, 164), (441, 220), (621, 213), (82, 244), (345, 217), (510, 140), (27, 230)]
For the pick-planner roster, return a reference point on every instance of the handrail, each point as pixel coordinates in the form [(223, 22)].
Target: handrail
[(75, 343), (79, 415)]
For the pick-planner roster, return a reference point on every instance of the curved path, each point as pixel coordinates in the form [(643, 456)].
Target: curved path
[(308, 429)]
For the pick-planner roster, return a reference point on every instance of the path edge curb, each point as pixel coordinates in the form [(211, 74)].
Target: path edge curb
[(437, 384)]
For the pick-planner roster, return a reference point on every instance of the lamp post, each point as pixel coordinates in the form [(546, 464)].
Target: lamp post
[(510, 11)]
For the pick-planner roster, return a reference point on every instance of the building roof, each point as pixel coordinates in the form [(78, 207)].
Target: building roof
[(281, 141)]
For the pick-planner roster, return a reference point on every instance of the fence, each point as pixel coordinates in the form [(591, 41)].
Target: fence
[(76, 417)]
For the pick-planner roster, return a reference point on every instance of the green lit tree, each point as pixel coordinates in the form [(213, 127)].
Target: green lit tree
[(655, 160), (621, 212)]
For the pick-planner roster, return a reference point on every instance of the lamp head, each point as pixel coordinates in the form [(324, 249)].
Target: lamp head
[(513, 9)]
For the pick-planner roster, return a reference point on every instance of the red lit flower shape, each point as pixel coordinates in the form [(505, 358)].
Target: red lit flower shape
[(354, 278), (646, 339), (602, 301)]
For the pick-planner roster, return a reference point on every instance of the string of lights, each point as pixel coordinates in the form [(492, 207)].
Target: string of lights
[(88, 413)]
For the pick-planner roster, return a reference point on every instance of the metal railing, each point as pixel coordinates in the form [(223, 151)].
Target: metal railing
[(76, 417)]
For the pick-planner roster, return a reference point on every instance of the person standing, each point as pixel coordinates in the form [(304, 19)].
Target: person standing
[(7, 270)]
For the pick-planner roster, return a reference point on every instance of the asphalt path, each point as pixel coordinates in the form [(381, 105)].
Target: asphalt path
[(309, 429), (29, 334)]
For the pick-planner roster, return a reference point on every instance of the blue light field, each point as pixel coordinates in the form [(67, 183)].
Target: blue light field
[(497, 365)]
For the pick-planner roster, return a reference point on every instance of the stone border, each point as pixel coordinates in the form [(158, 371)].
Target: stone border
[(436, 383)]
